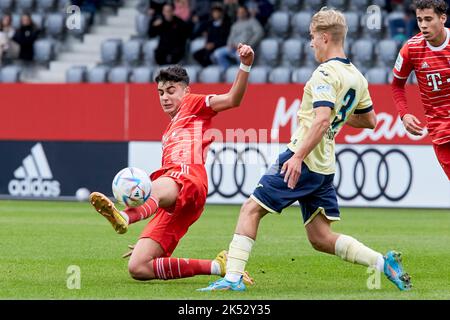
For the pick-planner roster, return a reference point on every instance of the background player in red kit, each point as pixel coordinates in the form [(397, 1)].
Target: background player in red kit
[(179, 187), (428, 55)]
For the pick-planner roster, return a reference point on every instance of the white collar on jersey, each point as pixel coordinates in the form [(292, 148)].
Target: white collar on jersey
[(442, 46)]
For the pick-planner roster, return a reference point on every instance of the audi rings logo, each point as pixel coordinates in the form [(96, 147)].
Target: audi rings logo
[(373, 174), (233, 172)]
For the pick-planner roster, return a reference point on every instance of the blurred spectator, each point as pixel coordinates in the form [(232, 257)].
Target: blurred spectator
[(90, 7), (200, 16), (246, 30), (182, 9), (231, 8), (260, 9), (173, 34), (8, 48), (25, 36), (217, 33)]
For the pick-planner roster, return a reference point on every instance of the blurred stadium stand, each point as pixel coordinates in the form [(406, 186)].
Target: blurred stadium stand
[(116, 46)]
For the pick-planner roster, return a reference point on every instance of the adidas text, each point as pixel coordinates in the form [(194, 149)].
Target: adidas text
[(34, 187)]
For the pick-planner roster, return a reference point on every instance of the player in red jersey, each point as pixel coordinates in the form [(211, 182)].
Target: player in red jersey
[(428, 55), (179, 187)]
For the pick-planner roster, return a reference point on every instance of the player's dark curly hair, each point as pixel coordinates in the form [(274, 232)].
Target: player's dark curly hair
[(174, 73), (439, 6)]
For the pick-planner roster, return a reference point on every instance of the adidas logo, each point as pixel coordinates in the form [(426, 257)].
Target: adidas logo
[(425, 65), (34, 177)]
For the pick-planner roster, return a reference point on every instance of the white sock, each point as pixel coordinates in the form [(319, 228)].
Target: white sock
[(215, 268), (380, 264), (238, 253), (125, 216), (350, 249)]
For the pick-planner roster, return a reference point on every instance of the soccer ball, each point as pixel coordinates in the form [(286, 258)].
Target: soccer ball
[(131, 187)]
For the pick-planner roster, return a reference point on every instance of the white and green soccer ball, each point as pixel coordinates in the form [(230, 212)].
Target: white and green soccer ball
[(131, 186)]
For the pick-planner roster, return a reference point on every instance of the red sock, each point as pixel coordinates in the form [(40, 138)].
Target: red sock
[(142, 212), (174, 268)]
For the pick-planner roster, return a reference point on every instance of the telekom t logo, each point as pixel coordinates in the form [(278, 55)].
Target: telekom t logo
[(434, 80)]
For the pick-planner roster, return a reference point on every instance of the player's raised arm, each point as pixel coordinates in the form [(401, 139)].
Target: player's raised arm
[(234, 97)]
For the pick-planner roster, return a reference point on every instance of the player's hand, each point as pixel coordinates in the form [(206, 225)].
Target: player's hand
[(412, 125), (128, 253), (246, 54), (292, 170)]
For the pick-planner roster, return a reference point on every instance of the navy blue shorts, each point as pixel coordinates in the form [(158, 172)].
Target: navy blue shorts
[(314, 191)]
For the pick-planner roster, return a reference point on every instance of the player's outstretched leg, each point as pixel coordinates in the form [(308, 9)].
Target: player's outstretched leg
[(393, 269), (106, 208)]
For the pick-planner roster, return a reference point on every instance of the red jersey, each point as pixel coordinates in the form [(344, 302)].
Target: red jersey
[(184, 141), (432, 68)]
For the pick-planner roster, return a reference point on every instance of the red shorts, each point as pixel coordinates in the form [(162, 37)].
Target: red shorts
[(443, 154), (169, 225)]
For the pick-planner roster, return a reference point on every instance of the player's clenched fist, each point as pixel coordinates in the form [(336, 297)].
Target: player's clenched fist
[(246, 54)]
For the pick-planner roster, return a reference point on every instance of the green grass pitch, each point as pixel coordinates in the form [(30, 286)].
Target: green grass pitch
[(40, 240)]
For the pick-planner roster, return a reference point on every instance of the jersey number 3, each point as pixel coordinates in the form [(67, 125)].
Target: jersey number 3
[(349, 98)]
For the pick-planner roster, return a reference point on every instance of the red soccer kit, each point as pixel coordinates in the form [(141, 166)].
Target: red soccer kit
[(183, 159), (432, 68)]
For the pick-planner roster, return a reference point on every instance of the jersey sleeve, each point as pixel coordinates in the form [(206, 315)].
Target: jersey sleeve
[(365, 104), (323, 88), (199, 105), (403, 65)]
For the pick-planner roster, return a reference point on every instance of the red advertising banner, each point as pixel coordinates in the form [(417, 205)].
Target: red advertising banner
[(131, 112)]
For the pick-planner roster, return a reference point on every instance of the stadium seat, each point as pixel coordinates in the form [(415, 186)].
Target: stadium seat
[(192, 71), (16, 21), (76, 74), (6, 5), (111, 51), (119, 74), (142, 75), (313, 5), (387, 51), (44, 51), (142, 25), (98, 74), (290, 5), (268, 51), (353, 23), (25, 5), (195, 44), (149, 51), (38, 20), (362, 51), (280, 75), (259, 74), (279, 24), (292, 52), (132, 52), (310, 59), (358, 5), (302, 75), (55, 25), (230, 74), (300, 24), (211, 74), (338, 4), (45, 5), (10, 74), (376, 75)]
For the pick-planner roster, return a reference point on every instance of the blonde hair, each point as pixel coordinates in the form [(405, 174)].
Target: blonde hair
[(331, 21)]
